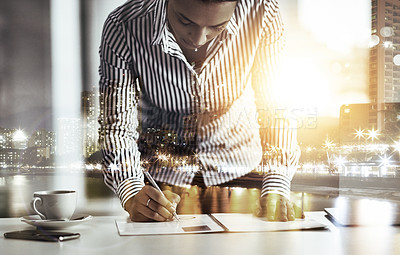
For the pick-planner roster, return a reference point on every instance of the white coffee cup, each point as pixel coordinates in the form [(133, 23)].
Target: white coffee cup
[(54, 204)]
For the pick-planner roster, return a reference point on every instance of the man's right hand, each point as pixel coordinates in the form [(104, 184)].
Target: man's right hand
[(150, 205)]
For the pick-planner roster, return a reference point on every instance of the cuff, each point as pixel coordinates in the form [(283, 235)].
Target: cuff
[(277, 184), (128, 189)]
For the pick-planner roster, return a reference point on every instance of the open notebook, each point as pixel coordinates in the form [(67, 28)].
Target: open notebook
[(210, 223)]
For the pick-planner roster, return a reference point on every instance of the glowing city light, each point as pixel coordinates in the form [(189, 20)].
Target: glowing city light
[(388, 44), (162, 157), (385, 161), (387, 31), (373, 134), (396, 60), (328, 144), (374, 40), (340, 161), (19, 136), (359, 133), (396, 146), (113, 167)]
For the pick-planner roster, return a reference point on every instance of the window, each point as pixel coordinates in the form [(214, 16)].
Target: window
[(27, 31), (37, 37)]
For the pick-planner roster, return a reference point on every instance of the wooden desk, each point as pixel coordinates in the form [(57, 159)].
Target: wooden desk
[(100, 236)]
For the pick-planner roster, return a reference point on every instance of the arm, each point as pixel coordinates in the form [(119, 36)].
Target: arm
[(118, 131), (118, 119), (278, 130)]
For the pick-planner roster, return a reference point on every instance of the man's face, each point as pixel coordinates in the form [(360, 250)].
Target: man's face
[(195, 23)]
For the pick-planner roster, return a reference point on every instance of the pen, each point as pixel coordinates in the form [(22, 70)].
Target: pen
[(158, 188)]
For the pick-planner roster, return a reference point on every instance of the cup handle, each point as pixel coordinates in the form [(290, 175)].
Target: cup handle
[(33, 205)]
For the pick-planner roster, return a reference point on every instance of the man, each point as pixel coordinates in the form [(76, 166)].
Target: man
[(191, 70)]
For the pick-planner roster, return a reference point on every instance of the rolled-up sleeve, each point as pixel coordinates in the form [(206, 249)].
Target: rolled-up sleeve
[(278, 130), (118, 113)]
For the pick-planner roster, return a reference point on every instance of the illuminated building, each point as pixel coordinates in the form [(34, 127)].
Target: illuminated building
[(68, 139), (41, 147), (384, 62), (44, 139), (354, 122), (11, 157), (13, 143), (89, 122), (353, 117), (11, 138), (6, 138)]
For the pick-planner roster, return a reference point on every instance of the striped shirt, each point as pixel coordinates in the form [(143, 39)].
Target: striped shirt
[(161, 113)]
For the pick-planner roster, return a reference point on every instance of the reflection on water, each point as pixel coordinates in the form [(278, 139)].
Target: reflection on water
[(16, 193)]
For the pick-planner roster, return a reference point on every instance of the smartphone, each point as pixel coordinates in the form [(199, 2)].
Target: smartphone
[(41, 235)]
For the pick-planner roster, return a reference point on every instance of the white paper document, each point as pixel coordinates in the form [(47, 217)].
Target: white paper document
[(236, 222), (188, 224), (219, 222)]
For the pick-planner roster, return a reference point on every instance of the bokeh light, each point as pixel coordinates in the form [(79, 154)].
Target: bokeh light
[(396, 60), (386, 31), (374, 40)]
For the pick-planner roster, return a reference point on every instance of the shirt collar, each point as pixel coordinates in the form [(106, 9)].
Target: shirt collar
[(233, 26), (160, 22)]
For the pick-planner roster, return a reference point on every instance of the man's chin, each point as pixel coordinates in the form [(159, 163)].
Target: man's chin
[(188, 46)]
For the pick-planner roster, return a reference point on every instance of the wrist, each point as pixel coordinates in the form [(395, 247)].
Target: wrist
[(128, 189), (274, 183)]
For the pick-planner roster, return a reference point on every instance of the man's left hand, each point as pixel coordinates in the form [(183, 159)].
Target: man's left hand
[(276, 207)]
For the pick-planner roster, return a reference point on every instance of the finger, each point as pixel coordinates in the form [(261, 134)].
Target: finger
[(256, 209), (290, 212), (258, 212), (172, 197), (281, 211), (262, 202), (299, 213), (133, 212), (258, 202), (149, 213), (259, 208), (136, 216), (155, 195), (153, 205), (270, 209)]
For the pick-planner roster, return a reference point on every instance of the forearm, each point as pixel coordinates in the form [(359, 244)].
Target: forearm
[(122, 175), (118, 136), (281, 155), (277, 128)]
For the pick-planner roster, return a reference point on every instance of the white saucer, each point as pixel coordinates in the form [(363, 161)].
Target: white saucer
[(35, 220)]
